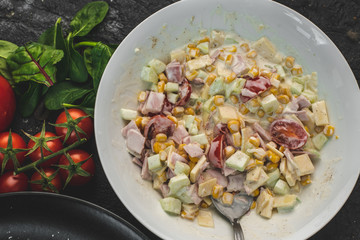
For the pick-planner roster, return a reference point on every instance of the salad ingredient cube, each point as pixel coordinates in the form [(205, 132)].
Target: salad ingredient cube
[(205, 218), (273, 178), (296, 88), (217, 87), (217, 38), (149, 75), (178, 55), (200, 138), (319, 140), (157, 65), (238, 161), (172, 87), (265, 48), (178, 182), (255, 179), (172, 97), (264, 204), (227, 113), (195, 172), (320, 113), (154, 163), (285, 203), (199, 62), (128, 114), (204, 47), (281, 187), (304, 164), (171, 205), (181, 168), (269, 103), (205, 188)]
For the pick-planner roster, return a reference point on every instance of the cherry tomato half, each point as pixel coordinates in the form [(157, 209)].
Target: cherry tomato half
[(77, 156), (13, 183), (17, 143), (85, 124), (288, 133), (7, 104), (54, 145)]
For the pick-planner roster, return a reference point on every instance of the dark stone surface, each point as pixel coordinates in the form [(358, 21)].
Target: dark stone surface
[(22, 21)]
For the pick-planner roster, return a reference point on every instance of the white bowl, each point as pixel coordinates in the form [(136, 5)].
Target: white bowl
[(175, 25)]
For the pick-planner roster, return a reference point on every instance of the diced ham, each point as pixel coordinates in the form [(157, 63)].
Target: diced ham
[(215, 55), (170, 173), (201, 170), (186, 140), (185, 91), (158, 124), (221, 179), (194, 150), (164, 188), (137, 161), (215, 154), (228, 171), (193, 190), (198, 81), (302, 102), (247, 93), (135, 142), (174, 72), (301, 115), (177, 157), (239, 67), (261, 131), (154, 103), (236, 182), (131, 125), (179, 134), (167, 107), (145, 173), (291, 165)]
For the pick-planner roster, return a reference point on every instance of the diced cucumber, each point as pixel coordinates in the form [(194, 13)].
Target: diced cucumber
[(310, 95), (201, 74), (149, 75), (270, 103), (238, 161), (280, 71), (171, 205), (217, 87), (184, 195), (285, 203), (178, 182), (172, 97), (172, 87), (193, 99), (234, 87), (281, 187), (154, 162), (193, 130), (181, 168), (319, 140), (189, 120), (157, 65), (128, 114), (230, 40), (204, 47), (296, 88), (207, 105), (273, 178), (200, 138)]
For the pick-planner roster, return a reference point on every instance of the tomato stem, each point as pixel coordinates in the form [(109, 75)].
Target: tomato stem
[(44, 159)]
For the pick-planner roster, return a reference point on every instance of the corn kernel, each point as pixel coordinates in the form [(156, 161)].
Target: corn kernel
[(162, 155), (305, 180), (210, 79), (210, 68), (161, 137), (279, 110), (142, 97), (178, 111), (250, 165), (187, 215), (219, 100), (184, 155), (173, 119), (194, 52), (329, 130), (255, 193), (161, 86), (289, 61), (229, 150), (230, 77), (181, 147), (234, 99), (227, 198), (221, 56), (284, 99), (274, 91), (162, 177), (189, 111), (254, 71), (138, 122), (191, 45), (198, 122), (205, 39), (260, 113), (307, 129), (254, 102), (191, 165), (285, 90), (281, 148), (265, 73), (162, 77), (254, 141), (269, 192), (158, 146), (144, 122), (275, 76), (270, 119), (251, 54), (251, 62), (273, 157), (229, 59), (233, 126), (253, 205), (296, 70), (243, 109), (213, 108), (231, 49), (259, 162), (217, 191), (245, 47), (272, 166), (236, 137), (169, 143)]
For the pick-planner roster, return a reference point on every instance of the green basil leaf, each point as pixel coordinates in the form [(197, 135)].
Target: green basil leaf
[(64, 92), (30, 99), (89, 100), (34, 62), (77, 69), (7, 48), (88, 17), (47, 37), (4, 71)]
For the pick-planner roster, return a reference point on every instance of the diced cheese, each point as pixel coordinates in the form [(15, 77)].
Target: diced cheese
[(171, 205), (157, 65), (178, 182), (269, 103), (304, 164), (319, 140), (205, 218), (265, 48), (128, 114), (199, 62), (148, 75), (154, 163), (200, 138), (255, 179), (270, 146), (285, 203), (195, 172), (181, 168), (217, 38), (178, 55), (320, 113), (227, 113), (205, 188), (264, 204), (238, 161)]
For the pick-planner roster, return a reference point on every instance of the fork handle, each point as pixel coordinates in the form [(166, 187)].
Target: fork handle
[(238, 232)]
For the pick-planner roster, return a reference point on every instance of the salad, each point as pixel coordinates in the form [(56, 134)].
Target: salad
[(227, 115)]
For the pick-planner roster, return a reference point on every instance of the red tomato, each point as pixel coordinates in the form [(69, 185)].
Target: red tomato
[(17, 143), (86, 125), (43, 185), (54, 145), (215, 154), (13, 183), (7, 104), (288, 133), (77, 156)]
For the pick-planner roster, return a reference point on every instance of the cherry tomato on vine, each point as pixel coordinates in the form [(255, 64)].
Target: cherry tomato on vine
[(7, 104), (13, 183), (73, 124), (46, 180), (50, 142), (77, 167), (8, 153)]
